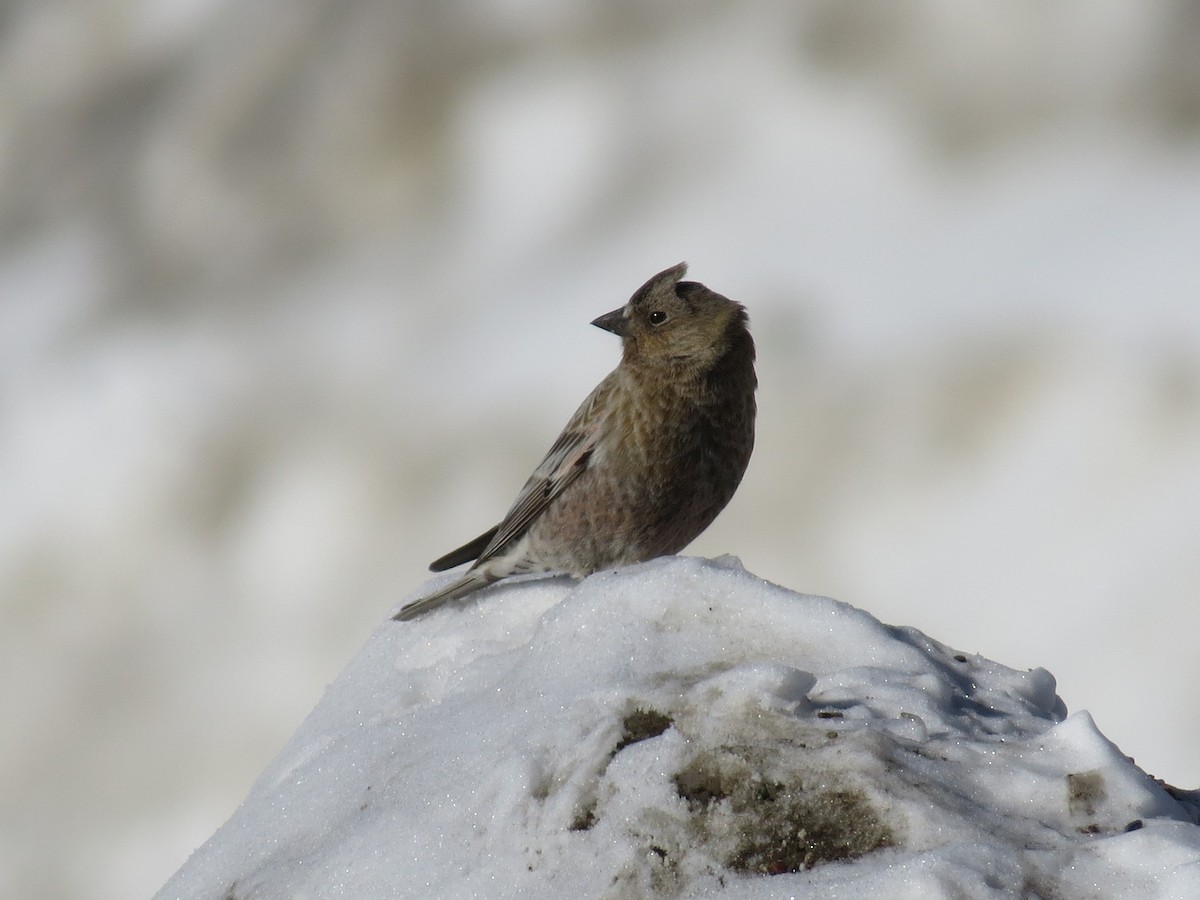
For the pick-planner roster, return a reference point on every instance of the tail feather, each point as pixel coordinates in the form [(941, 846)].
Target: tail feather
[(470, 582)]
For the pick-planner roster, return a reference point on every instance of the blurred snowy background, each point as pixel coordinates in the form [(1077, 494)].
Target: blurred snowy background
[(294, 295)]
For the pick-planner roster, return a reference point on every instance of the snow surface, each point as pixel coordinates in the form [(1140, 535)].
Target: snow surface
[(683, 728)]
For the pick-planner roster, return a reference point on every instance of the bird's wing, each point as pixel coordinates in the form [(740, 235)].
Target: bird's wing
[(465, 553), (566, 460)]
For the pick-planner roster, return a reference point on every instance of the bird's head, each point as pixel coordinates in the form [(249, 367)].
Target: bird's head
[(670, 319)]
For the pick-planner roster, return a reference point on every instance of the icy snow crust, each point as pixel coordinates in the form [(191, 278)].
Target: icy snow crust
[(683, 728)]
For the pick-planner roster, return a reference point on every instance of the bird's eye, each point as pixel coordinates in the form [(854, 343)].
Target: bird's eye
[(658, 317)]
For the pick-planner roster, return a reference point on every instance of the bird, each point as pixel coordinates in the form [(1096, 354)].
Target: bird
[(648, 460)]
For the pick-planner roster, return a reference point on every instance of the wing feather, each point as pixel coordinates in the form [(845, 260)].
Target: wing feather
[(465, 553), (566, 460)]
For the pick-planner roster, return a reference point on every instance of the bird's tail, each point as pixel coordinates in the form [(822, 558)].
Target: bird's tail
[(472, 581)]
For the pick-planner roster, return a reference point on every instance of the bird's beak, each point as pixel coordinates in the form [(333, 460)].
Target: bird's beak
[(614, 321)]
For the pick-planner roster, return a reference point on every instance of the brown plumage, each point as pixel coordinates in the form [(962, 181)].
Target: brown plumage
[(648, 460)]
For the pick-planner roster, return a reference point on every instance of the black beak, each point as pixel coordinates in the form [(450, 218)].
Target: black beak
[(614, 321)]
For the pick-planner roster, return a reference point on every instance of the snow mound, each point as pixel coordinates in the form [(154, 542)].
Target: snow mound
[(683, 728)]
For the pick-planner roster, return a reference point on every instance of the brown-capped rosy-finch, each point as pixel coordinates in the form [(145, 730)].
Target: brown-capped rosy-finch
[(648, 460)]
